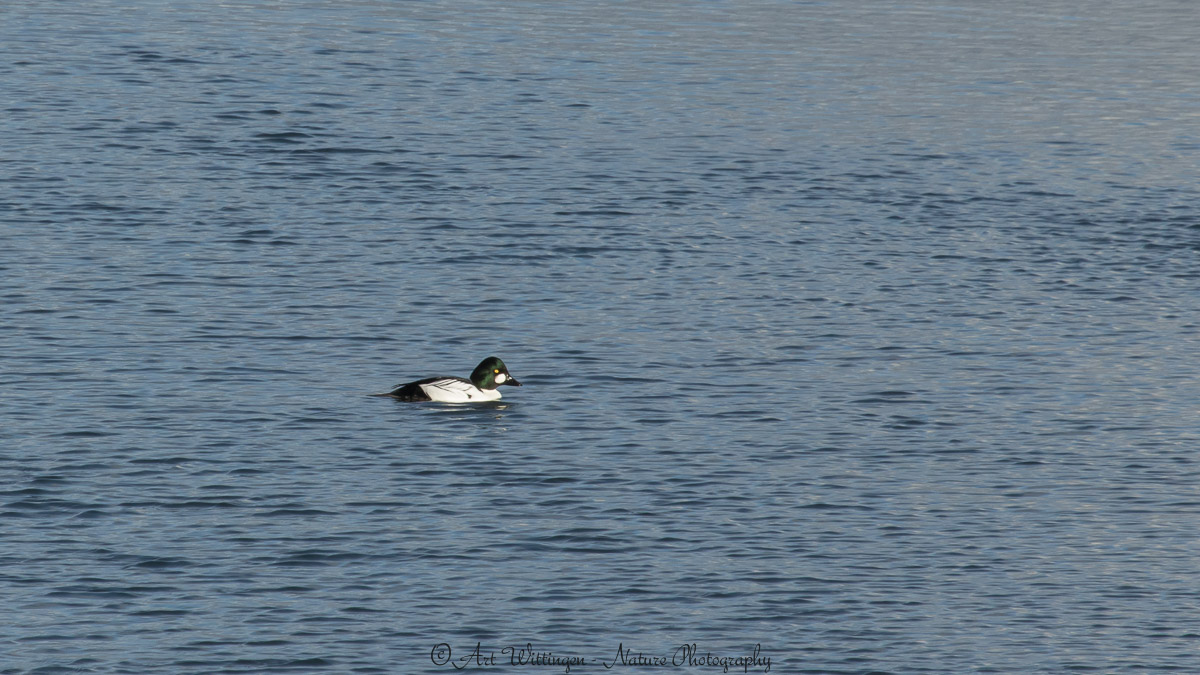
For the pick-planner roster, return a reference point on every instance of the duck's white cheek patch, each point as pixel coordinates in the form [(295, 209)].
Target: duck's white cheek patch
[(501, 378)]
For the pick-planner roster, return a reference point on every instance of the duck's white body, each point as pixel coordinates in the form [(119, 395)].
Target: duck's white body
[(456, 390)]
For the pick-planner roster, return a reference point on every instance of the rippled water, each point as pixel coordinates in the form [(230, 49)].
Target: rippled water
[(862, 332)]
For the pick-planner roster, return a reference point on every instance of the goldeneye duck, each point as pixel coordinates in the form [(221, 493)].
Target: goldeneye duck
[(487, 376)]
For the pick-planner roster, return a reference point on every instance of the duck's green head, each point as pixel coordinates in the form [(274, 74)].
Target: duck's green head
[(491, 373)]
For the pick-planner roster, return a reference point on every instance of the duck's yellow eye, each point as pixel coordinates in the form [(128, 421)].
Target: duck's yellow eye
[(496, 370)]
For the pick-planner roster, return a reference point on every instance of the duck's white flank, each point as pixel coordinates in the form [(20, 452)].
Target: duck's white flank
[(457, 391)]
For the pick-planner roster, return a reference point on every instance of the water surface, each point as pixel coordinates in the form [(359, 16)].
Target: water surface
[(864, 333)]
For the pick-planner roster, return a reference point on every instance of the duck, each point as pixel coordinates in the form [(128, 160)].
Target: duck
[(490, 374)]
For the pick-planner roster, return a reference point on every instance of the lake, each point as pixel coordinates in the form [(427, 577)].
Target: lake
[(855, 337)]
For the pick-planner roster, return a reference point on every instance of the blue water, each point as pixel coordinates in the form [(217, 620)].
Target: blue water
[(865, 333)]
